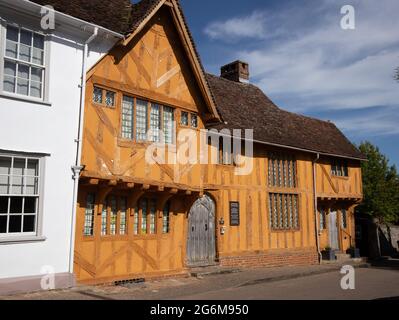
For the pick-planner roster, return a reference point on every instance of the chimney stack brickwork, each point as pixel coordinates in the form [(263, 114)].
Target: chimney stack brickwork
[(237, 71)]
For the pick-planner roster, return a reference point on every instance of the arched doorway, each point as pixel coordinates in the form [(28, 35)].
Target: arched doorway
[(201, 233)]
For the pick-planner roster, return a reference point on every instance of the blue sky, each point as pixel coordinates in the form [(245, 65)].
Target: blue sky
[(305, 62)]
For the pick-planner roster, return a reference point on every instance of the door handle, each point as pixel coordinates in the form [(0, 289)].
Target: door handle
[(206, 227)]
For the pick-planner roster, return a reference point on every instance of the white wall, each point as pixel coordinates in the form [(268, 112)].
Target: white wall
[(37, 128)]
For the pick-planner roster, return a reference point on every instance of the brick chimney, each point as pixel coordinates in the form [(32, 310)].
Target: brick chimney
[(237, 71)]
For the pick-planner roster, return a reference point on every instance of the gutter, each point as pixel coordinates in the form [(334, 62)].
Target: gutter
[(315, 208), (77, 168)]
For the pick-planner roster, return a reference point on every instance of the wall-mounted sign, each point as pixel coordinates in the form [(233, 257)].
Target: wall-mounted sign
[(234, 214)]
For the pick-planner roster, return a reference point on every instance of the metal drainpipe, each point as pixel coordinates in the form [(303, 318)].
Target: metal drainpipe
[(315, 207), (77, 168)]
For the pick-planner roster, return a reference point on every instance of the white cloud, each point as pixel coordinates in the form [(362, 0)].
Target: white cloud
[(252, 26), (313, 65)]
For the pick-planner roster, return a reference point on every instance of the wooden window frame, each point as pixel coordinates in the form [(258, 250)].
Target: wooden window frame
[(104, 92), (149, 103), (282, 170), (281, 214)]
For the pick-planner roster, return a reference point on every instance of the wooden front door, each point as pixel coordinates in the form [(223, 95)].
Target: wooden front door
[(333, 230), (201, 233)]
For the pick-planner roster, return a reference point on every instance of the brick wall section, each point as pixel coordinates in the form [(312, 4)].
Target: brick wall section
[(271, 259)]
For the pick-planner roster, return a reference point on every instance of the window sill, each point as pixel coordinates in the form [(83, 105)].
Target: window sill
[(22, 239), (340, 177), (24, 99)]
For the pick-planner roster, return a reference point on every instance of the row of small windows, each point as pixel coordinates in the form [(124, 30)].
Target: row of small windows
[(114, 217), (339, 168), (283, 211), (282, 170), (143, 120)]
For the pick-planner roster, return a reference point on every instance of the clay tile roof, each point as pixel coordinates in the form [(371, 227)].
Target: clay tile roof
[(140, 11), (245, 106), (111, 14)]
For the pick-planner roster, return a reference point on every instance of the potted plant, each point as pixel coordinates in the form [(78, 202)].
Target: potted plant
[(328, 254), (354, 252)]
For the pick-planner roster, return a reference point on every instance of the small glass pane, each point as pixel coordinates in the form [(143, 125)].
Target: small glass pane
[(38, 41), (36, 74), (17, 185), (24, 53), (29, 223), (110, 98), (3, 205), (15, 224), (38, 56), (30, 205), (11, 49), (144, 216), (10, 68), (35, 89), (32, 168), (19, 166), (12, 33), (26, 38), (22, 87), (23, 71), (4, 184), (194, 120), (31, 186), (5, 165), (98, 95), (9, 84), (184, 118), (114, 212), (16, 204), (3, 224)]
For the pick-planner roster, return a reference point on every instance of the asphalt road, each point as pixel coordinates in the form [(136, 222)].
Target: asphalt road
[(370, 284), (305, 283)]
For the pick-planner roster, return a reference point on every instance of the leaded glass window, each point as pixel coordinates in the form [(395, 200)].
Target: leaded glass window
[(24, 64), (19, 195), (283, 211), (153, 210), (194, 120), (136, 221), (168, 126), (155, 123), (184, 118), (322, 217), (104, 220), (123, 216), (127, 117), (143, 207), (166, 218), (141, 120), (97, 95), (109, 98), (113, 215), (89, 215), (282, 170)]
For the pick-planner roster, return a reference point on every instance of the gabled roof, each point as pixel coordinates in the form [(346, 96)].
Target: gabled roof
[(113, 15), (144, 10), (245, 106)]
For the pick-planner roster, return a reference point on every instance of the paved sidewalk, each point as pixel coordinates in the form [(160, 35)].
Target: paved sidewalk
[(183, 287)]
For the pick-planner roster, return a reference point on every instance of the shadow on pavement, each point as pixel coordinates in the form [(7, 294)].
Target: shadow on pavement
[(385, 263)]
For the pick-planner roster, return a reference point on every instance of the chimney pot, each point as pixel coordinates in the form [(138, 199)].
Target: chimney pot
[(237, 71)]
